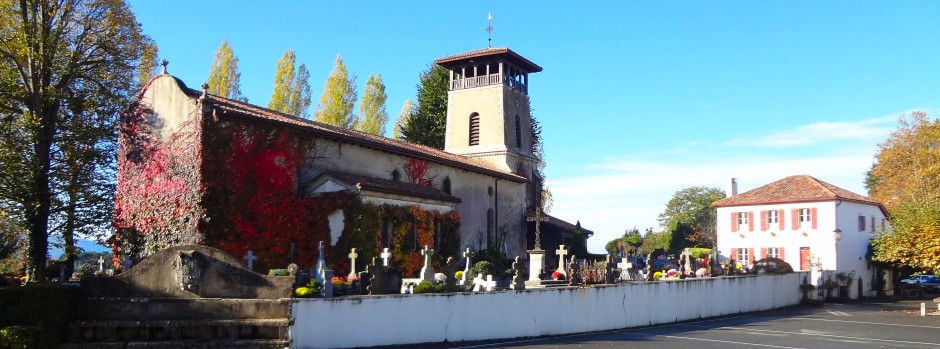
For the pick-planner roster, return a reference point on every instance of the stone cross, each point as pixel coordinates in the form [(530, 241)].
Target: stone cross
[(518, 282), (561, 251), (537, 219), (250, 259), (101, 264), (468, 254), (385, 256), (427, 272), (352, 262), (126, 263)]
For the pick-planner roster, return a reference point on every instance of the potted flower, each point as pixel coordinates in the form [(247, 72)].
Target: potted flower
[(557, 275)]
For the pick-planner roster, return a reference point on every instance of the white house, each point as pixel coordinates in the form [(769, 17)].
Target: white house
[(810, 224)]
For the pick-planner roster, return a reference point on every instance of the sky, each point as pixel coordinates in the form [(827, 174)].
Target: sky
[(636, 100)]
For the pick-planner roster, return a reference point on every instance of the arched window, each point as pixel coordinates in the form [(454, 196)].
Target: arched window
[(396, 176), (445, 185), (518, 133), (490, 222), (474, 129)]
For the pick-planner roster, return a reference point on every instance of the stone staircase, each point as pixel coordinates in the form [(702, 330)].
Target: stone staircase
[(180, 323)]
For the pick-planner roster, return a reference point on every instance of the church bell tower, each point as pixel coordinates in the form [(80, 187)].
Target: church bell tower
[(488, 114)]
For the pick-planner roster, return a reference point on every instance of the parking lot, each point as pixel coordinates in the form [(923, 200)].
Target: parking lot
[(889, 324)]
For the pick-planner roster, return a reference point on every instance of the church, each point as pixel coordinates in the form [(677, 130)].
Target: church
[(199, 168)]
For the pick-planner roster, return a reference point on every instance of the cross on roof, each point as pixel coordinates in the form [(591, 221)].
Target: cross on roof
[(489, 30), (538, 230)]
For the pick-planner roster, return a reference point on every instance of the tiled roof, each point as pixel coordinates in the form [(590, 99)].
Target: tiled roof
[(513, 57), (800, 188), (560, 223), (393, 187), (229, 107)]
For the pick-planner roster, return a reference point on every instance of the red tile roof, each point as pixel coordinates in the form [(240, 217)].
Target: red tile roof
[(393, 187), (231, 108), (560, 223), (801, 188), (515, 58)]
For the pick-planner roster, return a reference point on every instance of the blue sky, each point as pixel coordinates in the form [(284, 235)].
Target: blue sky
[(637, 100)]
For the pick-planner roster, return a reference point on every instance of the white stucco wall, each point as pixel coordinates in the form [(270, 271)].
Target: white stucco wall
[(411, 319), (822, 242)]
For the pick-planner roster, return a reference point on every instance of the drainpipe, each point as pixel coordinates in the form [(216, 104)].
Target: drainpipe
[(496, 208)]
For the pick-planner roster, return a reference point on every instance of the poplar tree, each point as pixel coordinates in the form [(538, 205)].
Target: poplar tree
[(291, 88), (67, 67), (372, 115), (428, 123), (224, 76), (338, 98), (402, 120)]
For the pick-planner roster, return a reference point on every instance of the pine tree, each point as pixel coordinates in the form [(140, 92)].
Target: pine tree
[(338, 98), (291, 88), (224, 76), (372, 115), (429, 121), (402, 121)]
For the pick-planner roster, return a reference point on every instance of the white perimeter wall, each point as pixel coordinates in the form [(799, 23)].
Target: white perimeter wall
[(432, 318)]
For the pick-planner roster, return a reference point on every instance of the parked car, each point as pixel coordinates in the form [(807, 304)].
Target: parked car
[(928, 283)]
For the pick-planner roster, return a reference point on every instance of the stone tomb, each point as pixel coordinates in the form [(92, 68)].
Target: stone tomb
[(189, 271)]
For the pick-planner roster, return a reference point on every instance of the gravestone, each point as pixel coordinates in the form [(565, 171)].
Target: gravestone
[(610, 276), (450, 281), (327, 290), (481, 285), (100, 265), (649, 267), (427, 272), (321, 265), (352, 263), (561, 252), (574, 272), (518, 282), (250, 260), (383, 279), (468, 254)]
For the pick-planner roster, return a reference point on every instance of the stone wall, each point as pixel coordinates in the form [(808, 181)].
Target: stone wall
[(433, 318)]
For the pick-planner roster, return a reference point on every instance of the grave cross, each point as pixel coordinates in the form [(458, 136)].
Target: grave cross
[(100, 264), (427, 253), (562, 252), (469, 254), (385, 256), (250, 259), (537, 219), (352, 261)]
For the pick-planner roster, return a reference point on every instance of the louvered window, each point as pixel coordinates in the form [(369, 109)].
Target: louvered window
[(518, 133), (474, 129)]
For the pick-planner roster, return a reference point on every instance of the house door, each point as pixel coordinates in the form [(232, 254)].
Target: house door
[(805, 262)]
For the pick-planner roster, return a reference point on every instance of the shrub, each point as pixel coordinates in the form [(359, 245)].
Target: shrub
[(483, 268), (312, 289), (36, 314), (428, 287)]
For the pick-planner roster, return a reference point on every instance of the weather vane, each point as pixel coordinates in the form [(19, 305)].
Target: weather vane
[(489, 30)]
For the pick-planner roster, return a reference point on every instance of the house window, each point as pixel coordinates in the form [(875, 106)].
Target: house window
[(861, 223), (804, 214), (772, 217), (386, 230), (742, 220), (396, 176), (773, 252), (518, 133), (872, 226), (414, 233), (474, 129), (743, 257)]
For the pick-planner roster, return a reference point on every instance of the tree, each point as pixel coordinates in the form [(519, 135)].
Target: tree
[(63, 63), (338, 98), (630, 240), (578, 248), (148, 65), (906, 179), (224, 78), (402, 120), (291, 88), (372, 115), (692, 207), (428, 123), (653, 241)]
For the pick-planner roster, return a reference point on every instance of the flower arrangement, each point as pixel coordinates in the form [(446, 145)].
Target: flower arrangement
[(557, 276), (311, 289), (458, 274), (657, 275)]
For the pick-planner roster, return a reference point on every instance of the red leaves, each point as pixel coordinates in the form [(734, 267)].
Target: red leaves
[(417, 172)]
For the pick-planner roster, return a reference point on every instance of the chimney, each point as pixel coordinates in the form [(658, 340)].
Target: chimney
[(732, 187)]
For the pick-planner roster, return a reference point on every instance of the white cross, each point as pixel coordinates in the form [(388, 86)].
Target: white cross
[(427, 253), (250, 259), (385, 256), (101, 264), (561, 251), (352, 261)]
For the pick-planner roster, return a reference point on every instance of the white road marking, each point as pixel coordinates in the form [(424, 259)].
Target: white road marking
[(867, 323), (819, 334), (720, 341), (838, 313)]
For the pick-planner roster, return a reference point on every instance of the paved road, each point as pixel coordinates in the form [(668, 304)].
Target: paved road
[(854, 325)]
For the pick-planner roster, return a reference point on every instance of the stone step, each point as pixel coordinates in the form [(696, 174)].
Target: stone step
[(161, 330), (142, 309), (184, 344)]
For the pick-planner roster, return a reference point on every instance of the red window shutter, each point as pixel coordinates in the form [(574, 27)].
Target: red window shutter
[(734, 222), (812, 215), (796, 219), (734, 253), (763, 252), (782, 255), (750, 257), (763, 220), (780, 219), (750, 221)]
